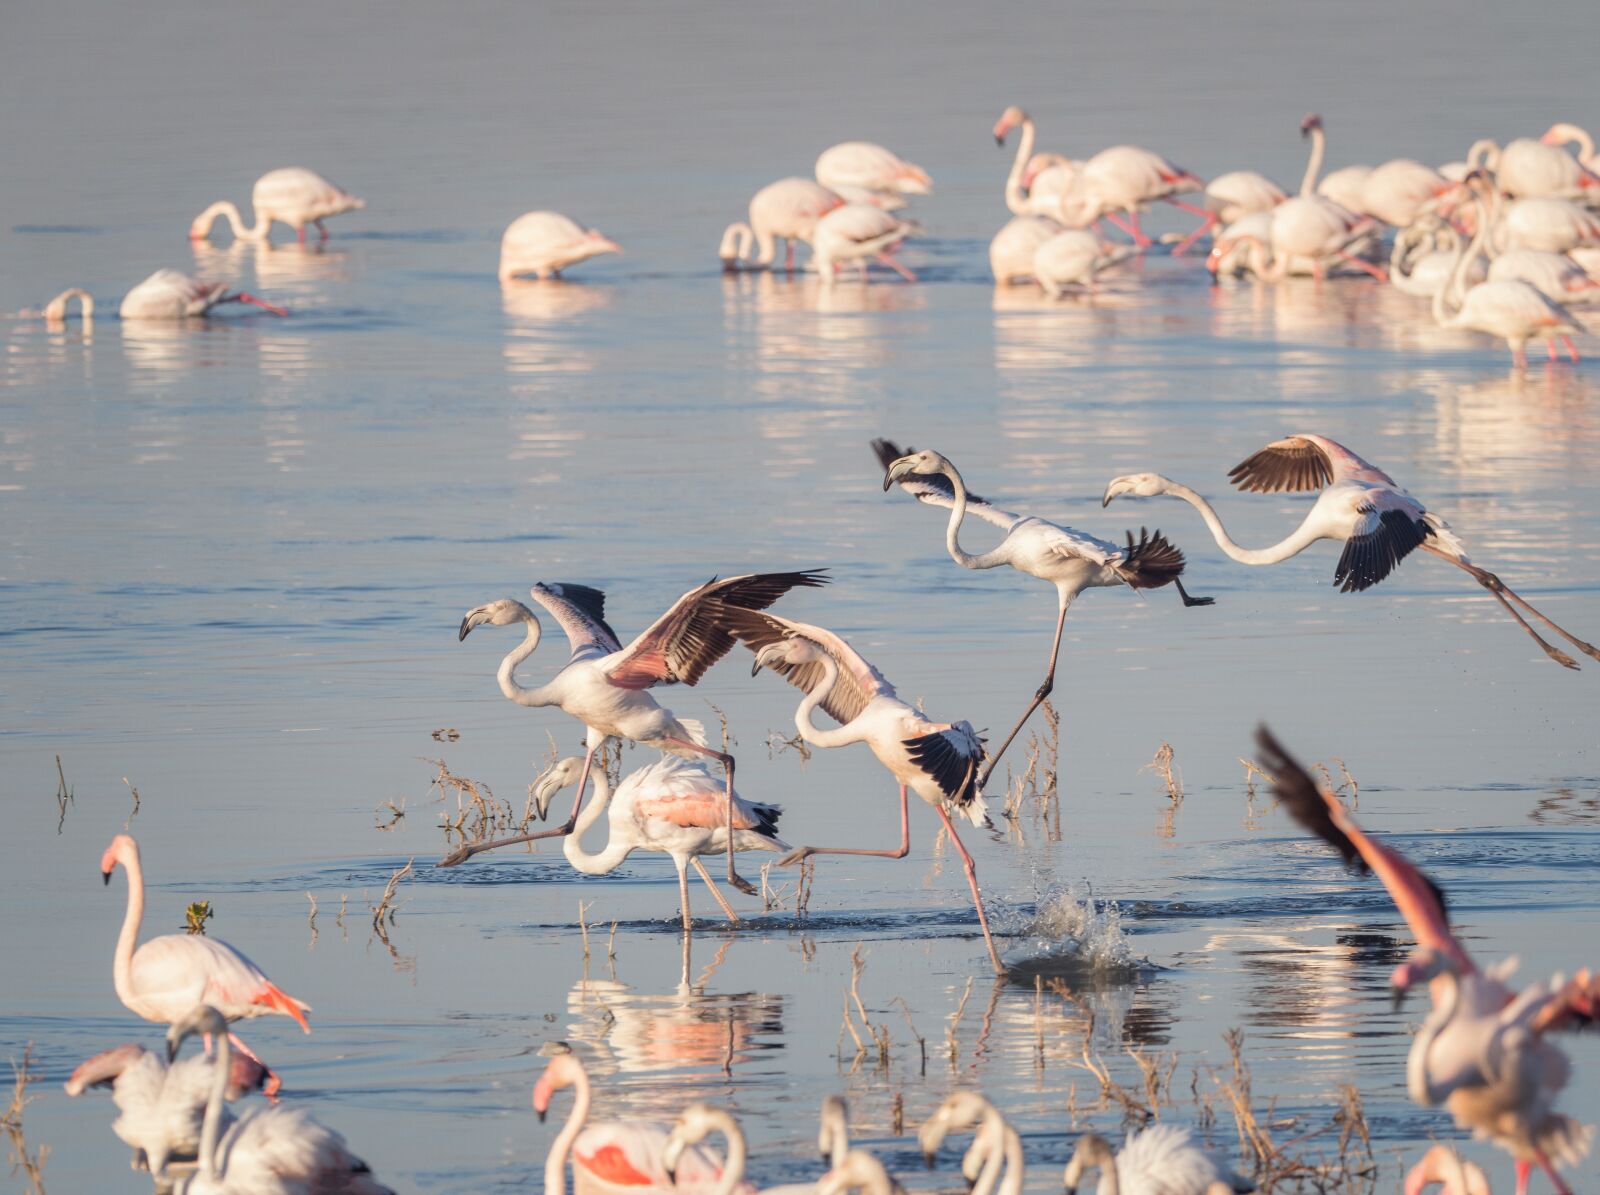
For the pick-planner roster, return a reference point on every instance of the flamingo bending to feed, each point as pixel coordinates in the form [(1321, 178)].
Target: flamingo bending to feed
[(1443, 1165), (545, 243), (859, 1171), (936, 760), (613, 1157), (1068, 559), (1361, 506), (856, 232), (1163, 1159), (1073, 257), (1126, 178), (1313, 229), (674, 806), (698, 1121), (55, 311), (1424, 259), (1231, 197), (161, 1107), (606, 686), (786, 210), (1529, 169), (293, 195), (1482, 1050), (1014, 247), (267, 1149), (165, 978), (168, 294), (1567, 134), (864, 164), (1036, 182)]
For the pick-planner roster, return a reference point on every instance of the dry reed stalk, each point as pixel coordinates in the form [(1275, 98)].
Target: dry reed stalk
[(954, 1023), (383, 912), (583, 928), (1161, 764), (922, 1042), (311, 920), (30, 1166), (134, 812), (64, 796), (396, 812)]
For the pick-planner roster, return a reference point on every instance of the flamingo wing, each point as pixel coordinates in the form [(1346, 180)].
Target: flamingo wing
[(859, 682), (935, 488), (175, 972), (581, 612), (689, 638), (1389, 527), (1303, 462), (685, 793), (950, 755), (1420, 901), (627, 1153)]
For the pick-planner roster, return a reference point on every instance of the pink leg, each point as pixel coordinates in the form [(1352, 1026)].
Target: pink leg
[(1043, 691), (1183, 246), (1376, 271), (1519, 358), (302, 234), (1572, 352), (462, 853), (788, 256), (1544, 1164), (1502, 592), (734, 878), (721, 900), (1139, 238), (1119, 222), (900, 852), (1524, 1169), (274, 1083), (1550, 347), (977, 897), (897, 267), (322, 228), (242, 297)]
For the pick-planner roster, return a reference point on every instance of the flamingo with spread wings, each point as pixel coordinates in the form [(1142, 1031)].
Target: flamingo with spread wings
[(606, 686), (1379, 523), (1482, 1051)]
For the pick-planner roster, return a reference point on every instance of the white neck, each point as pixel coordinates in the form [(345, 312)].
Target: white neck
[(1016, 197), (733, 1164), (616, 850), (508, 667), (1319, 145), (1453, 288), (809, 730), (1419, 1083), (555, 1163), (952, 529), (122, 960), (226, 208), (1261, 261), (56, 308), (1298, 541), (1483, 153), (211, 1127)]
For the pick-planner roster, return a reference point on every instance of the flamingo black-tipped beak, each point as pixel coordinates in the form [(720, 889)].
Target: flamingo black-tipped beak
[(888, 480), (105, 878), (466, 629), (1000, 139), (928, 1159), (672, 1175), (541, 1113)]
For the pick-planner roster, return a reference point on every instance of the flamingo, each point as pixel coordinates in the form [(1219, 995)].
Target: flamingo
[(168, 294), (293, 196), (1361, 506), (271, 1149), (1396, 191), (1553, 225), (1315, 230), (937, 760), (1037, 181), (673, 806), (1529, 169), (1125, 178), (1482, 1050), (1342, 186), (1013, 248), (995, 1144), (1068, 559), (1073, 257), (863, 164), (161, 1107), (698, 1121), (545, 243), (55, 311), (1555, 275), (1163, 1159), (1565, 134), (1424, 259), (786, 210), (856, 232), (605, 686), (1444, 1166), (613, 1157), (1231, 197), (1234, 250), (859, 1171), (165, 978)]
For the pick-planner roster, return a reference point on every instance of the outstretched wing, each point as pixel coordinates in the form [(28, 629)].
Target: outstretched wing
[(581, 612), (1303, 462), (935, 488), (859, 682), (688, 639), (950, 755), (1418, 898), (1389, 528)]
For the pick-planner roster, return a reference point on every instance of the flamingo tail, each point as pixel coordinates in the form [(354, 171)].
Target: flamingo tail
[(275, 998)]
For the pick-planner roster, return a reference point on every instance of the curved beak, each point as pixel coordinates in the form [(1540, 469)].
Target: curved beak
[(541, 1112), (896, 470), (466, 629), (172, 1047), (1111, 492), (105, 877), (544, 792)]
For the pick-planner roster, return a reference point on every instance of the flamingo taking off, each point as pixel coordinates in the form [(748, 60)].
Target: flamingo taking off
[(1068, 559), (1482, 1050), (1126, 178), (872, 167), (293, 196), (1163, 1158), (169, 294), (1379, 523), (165, 978), (786, 210), (856, 232), (545, 243), (606, 686), (674, 806)]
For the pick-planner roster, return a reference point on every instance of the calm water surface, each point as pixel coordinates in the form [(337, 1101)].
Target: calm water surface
[(235, 555)]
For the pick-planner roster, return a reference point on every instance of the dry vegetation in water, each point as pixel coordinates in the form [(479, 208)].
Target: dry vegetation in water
[(29, 1167), (1037, 789)]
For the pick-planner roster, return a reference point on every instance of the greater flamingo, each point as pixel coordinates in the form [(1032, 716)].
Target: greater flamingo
[(168, 294), (1231, 197), (1361, 506), (995, 1144), (1342, 186), (55, 311), (786, 210), (856, 232), (1068, 559), (859, 1171), (698, 1121), (545, 243), (673, 806), (271, 1149), (165, 978), (1566, 134), (1482, 1050), (1529, 169), (1012, 250), (1314, 230), (605, 686), (1443, 1166), (1073, 257), (1163, 1159), (1396, 191), (1424, 259), (1553, 225), (1126, 178), (1026, 169), (936, 760), (293, 196), (1555, 275), (864, 164)]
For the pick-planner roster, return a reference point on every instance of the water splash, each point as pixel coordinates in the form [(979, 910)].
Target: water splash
[(1072, 932)]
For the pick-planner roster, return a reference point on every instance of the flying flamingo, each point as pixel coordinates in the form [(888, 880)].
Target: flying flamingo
[(160, 1107), (1529, 169), (293, 196), (1163, 1158), (1342, 186), (1231, 197), (856, 232), (168, 294), (612, 1157), (1361, 506), (1013, 248), (168, 976), (1051, 172), (1482, 1050), (274, 1148), (698, 1121), (863, 164), (1068, 559), (1442, 1165), (605, 686), (1565, 134), (545, 243), (1126, 178), (859, 1171), (937, 760), (786, 210), (1073, 257), (673, 806)]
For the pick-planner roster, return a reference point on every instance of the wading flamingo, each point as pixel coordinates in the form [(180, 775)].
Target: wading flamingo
[(936, 760), (168, 294), (1553, 225), (1231, 197), (1554, 275), (675, 807), (786, 210), (1013, 248), (1163, 1159), (1052, 173), (613, 1157), (1396, 191), (55, 311), (1126, 178), (1073, 257), (605, 686), (859, 1171), (1568, 134), (1424, 259), (545, 243), (1443, 1166), (272, 1149), (1529, 169), (863, 164), (1361, 506), (165, 978), (698, 1121), (1342, 186), (293, 196), (1068, 559), (856, 232), (1482, 1050)]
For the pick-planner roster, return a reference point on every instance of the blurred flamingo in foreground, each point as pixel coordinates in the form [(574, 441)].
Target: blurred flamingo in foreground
[(698, 1121), (545, 243), (169, 294), (293, 196), (1443, 1166), (1163, 1157), (1570, 134), (786, 210)]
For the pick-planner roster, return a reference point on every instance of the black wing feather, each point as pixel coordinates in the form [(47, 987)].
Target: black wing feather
[(1368, 559)]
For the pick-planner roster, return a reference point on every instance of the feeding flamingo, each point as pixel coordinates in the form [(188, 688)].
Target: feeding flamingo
[(859, 1171), (545, 243), (168, 294), (293, 196), (1424, 258), (1126, 178), (1163, 1159), (698, 1121), (1231, 197), (271, 1149), (1036, 182), (864, 164), (1068, 559), (1014, 247), (1552, 225), (1396, 191), (168, 976), (1482, 1050), (1314, 230), (1361, 506), (1555, 275), (1073, 257), (995, 1144), (605, 686), (55, 311), (786, 210), (674, 806), (856, 232), (1566, 134), (1443, 1166)]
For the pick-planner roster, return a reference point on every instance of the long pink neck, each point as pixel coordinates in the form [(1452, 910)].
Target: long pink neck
[(1319, 145), (1016, 195), (122, 960), (809, 730), (227, 209), (555, 1164)]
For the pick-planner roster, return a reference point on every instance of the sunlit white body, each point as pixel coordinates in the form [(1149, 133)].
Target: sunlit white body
[(1164, 1159), (293, 195), (786, 210), (170, 295), (1555, 275), (1035, 183), (1232, 197), (1073, 257), (1012, 250), (864, 164), (859, 232), (1529, 169), (1125, 178), (545, 243), (1562, 134), (1551, 225), (1395, 191)]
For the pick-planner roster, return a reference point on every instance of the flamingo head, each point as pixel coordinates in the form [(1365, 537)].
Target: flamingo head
[(563, 1070), (1135, 485), (925, 461), (1313, 121), (553, 781), (1092, 1151), (597, 242), (122, 849), (203, 1019), (503, 613), (104, 1068), (959, 1109), (1423, 966), (792, 650), (835, 1126), (1009, 119), (693, 1125)]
